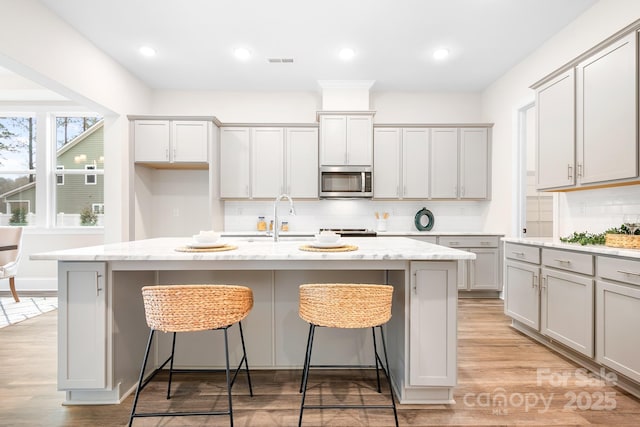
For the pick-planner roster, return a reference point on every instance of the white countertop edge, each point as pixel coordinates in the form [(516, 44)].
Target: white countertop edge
[(594, 249), (163, 249)]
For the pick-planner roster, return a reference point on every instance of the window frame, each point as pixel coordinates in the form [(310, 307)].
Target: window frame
[(89, 176), (46, 169)]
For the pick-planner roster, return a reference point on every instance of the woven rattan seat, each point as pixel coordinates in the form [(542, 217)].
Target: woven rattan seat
[(191, 308), (346, 305), (341, 305)]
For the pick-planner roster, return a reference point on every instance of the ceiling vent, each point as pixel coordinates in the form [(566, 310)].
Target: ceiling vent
[(280, 60)]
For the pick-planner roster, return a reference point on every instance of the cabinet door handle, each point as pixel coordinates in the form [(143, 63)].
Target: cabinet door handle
[(534, 283), (579, 169), (462, 190), (166, 154), (544, 282), (404, 190), (174, 153), (563, 261), (246, 190), (569, 171), (454, 243), (518, 254), (629, 272), (485, 243)]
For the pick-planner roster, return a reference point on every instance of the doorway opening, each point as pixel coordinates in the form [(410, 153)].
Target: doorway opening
[(535, 208)]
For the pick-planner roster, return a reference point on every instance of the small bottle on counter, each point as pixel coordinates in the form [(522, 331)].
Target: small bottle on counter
[(262, 224), (271, 225), (284, 226)]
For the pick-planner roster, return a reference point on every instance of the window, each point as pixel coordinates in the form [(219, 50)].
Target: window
[(80, 150), (72, 169), (17, 169), (60, 177), (97, 208), (90, 179)]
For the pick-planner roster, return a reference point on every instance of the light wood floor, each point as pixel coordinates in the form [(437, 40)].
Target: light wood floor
[(494, 361)]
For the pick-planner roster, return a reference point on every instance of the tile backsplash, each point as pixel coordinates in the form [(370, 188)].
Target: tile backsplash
[(597, 210), (316, 214)]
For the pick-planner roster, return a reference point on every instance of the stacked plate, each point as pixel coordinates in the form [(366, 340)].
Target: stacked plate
[(327, 239)]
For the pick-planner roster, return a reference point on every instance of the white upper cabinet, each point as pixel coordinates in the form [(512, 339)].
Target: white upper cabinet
[(263, 162), (607, 114), (474, 163), (401, 163), (268, 162), (444, 163), (346, 139), (587, 120), (415, 163), (386, 163), (171, 141), (301, 162), (152, 140), (555, 108), (235, 162)]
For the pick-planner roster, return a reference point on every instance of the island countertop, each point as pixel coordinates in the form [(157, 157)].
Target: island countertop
[(261, 249)]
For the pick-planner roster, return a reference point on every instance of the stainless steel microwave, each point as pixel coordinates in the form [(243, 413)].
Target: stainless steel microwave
[(345, 182)]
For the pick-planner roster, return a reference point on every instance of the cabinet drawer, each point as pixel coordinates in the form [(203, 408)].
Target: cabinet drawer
[(618, 269), (522, 253), (469, 241), (571, 261)]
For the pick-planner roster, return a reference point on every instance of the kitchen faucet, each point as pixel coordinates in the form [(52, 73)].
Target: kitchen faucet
[(292, 211)]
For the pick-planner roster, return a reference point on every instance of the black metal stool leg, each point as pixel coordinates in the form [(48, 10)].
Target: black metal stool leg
[(173, 349), (375, 354), (144, 366), (388, 375), (246, 363), (306, 356), (305, 371), (226, 354)]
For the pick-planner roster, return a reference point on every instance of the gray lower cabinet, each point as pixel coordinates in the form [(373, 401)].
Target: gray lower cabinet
[(432, 359), (566, 296), (522, 292), (618, 315), (483, 273), (588, 302), (566, 312), (82, 348)]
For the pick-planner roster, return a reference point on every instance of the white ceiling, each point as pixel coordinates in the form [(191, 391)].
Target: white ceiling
[(393, 40)]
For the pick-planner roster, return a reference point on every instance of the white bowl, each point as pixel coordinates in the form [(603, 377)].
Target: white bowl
[(327, 237), (206, 237)]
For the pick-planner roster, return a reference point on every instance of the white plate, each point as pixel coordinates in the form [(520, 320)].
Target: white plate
[(197, 245), (325, 245)]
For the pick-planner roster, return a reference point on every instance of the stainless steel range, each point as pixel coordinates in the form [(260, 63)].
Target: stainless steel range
[(352, 232)]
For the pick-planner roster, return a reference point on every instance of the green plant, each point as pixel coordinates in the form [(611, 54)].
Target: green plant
[(595, 238), (88, 217), (18, 217)]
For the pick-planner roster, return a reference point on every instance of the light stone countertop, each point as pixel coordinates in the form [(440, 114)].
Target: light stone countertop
[(557, 244), (260, 249)]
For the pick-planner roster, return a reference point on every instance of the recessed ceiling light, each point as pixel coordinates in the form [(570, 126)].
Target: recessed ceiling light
[(147, 51), (242, 53), (347, 53), (441, 53)]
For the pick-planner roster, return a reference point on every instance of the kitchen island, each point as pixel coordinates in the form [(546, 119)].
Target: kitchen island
[(102, 329)]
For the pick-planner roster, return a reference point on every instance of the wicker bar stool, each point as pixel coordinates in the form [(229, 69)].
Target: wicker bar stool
[(342, 305), (190, 308)]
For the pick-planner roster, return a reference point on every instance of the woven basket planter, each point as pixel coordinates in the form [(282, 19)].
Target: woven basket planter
[(188, 308), (626, 241), (341, 305)]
